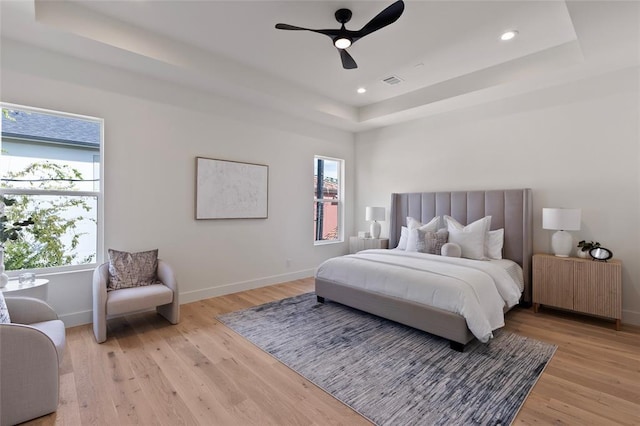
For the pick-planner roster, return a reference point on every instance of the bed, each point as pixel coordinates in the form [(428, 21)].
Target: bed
[(509, 209)]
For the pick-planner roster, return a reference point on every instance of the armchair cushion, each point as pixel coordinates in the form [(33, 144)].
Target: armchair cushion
[(55, 331), (132, 269), (136, 299)]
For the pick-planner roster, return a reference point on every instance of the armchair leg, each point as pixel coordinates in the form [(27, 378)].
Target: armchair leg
[(171, 312), (100, 329)]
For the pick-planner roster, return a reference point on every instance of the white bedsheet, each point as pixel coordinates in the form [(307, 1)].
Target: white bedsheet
[(477, 290)]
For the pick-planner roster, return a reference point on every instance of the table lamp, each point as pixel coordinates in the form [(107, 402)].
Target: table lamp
[(375, 214), (561, 220)]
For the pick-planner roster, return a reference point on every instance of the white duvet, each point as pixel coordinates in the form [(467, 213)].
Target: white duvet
[(477, 290)]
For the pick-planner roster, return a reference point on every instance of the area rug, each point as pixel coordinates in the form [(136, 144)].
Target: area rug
[(393, 374)]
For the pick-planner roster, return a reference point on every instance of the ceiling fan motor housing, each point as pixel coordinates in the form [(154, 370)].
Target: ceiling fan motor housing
[(343, 15)]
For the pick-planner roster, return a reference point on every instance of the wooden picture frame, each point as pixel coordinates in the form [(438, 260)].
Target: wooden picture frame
[(231, 189)]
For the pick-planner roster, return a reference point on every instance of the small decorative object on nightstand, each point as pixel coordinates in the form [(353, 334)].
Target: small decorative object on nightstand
[(600, 254), (357, 244), (584, 247), (579, 285)]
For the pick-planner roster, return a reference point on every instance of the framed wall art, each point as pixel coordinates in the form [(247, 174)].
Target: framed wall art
[(231, 189)]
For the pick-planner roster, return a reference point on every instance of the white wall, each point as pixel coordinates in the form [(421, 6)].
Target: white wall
[(576, 145), (153, 132)]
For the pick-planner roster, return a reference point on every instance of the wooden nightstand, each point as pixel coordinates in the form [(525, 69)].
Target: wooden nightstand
[(580, 285), (357, 244)]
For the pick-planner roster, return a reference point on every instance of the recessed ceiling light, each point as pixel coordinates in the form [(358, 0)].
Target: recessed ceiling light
[(508, 35), (361, 90)]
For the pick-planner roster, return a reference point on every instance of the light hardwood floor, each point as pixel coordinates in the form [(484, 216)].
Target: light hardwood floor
[(201, 372)]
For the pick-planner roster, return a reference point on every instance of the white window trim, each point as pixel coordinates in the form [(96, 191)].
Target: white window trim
[(340, 201), (99, 194)]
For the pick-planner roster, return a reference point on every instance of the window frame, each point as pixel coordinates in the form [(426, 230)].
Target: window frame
[(339, 200), (99, 194)]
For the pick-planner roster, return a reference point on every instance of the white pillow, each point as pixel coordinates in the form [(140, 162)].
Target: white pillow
[(404, 236), (495, 243), (415, 240), (470, 238), (451, 250), (431, 226)]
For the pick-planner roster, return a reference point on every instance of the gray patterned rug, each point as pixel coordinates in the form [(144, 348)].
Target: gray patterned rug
[(392, 374)]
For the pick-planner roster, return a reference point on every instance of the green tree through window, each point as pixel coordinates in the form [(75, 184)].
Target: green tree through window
[(54, 236)]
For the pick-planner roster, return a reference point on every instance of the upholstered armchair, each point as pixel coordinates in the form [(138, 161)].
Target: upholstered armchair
[(31, 350), (107, 304)]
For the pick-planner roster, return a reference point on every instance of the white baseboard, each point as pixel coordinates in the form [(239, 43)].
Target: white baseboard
[(76, 318), (630, 317), (195, 295), (85, 317)]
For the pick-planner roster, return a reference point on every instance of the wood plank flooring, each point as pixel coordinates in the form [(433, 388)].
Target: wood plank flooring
[(199, 372)]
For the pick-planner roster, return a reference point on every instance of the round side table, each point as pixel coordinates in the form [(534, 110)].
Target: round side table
[(38, 289)]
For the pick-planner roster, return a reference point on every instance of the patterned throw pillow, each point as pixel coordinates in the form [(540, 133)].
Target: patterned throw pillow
[(4, 312), (132, 269), (434, 241)]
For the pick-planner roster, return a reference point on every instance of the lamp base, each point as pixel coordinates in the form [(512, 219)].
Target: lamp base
[(562, 243), (375, 229)]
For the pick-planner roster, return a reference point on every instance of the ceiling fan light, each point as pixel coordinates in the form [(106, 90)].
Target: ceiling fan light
[(508, 35), (342, 43)]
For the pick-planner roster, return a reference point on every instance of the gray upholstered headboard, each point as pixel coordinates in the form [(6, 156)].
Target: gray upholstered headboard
[(510, 209)]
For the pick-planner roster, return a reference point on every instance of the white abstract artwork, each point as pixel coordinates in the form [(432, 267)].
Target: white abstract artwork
[(231, 190)]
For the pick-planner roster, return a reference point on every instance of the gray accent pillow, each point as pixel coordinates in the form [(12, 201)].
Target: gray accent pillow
[(433, 241), (416, 240), (128, 270), (4, 312)]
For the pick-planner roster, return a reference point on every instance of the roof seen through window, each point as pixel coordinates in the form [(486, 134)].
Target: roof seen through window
[(51, 128)]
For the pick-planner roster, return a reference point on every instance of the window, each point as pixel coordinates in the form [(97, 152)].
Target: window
[(327, 190), (50, 166)]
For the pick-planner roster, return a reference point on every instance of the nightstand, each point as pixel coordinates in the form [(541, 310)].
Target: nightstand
[(357, 244), (580, 285)]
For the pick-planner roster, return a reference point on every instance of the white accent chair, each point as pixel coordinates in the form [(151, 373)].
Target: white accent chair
[(107, 304), (31, 350)]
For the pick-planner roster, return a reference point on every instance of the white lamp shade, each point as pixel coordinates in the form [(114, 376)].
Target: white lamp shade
[(374, 213), (561, 219)]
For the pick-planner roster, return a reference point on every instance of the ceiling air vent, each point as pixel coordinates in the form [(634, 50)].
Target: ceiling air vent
[(392, 80)]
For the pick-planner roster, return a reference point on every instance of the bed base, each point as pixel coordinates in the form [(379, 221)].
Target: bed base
[(448, 325)]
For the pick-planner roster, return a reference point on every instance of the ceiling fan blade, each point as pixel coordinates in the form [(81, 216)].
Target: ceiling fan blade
[(381, 20), (290, 27), (347, 61), (330, 33)]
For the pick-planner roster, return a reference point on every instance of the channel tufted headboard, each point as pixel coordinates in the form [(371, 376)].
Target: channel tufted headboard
[(510, 209)]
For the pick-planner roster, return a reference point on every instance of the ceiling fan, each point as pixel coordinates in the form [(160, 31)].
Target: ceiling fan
[(343, 38)]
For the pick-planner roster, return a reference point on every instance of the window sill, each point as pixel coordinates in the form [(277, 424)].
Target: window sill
[(327, 242), (54, 270)]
